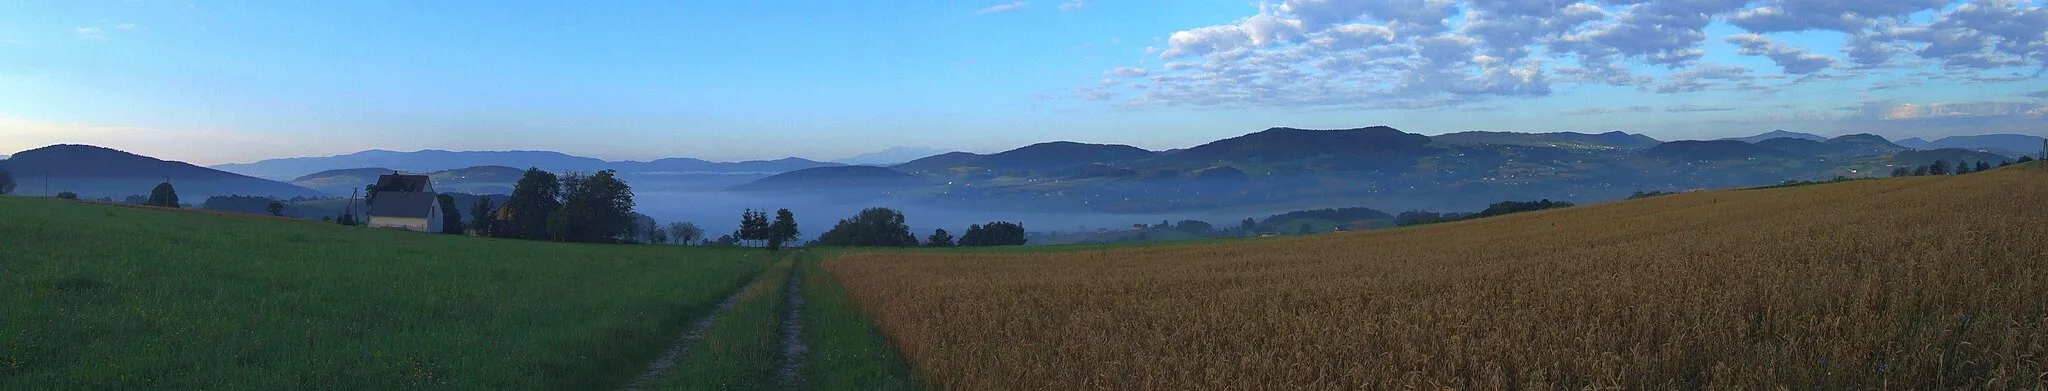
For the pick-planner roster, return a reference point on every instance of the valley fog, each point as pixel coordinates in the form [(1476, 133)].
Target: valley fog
[(718, 213)]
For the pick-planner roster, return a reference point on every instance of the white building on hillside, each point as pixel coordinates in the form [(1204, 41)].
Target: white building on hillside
[(406, 202)]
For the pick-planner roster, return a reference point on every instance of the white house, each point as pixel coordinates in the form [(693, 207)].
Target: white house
[(406, 202)]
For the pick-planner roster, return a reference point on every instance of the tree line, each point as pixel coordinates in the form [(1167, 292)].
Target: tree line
[(1942, 167), (884, 227), (1502, 208), (572, 207)]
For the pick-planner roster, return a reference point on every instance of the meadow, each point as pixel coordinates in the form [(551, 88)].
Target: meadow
[(114, 297), (1902, 283)]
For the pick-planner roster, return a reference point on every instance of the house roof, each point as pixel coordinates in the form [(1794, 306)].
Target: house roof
[(401, 182), (407, 204)]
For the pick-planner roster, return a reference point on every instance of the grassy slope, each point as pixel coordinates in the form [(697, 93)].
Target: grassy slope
[(739, 351), (1913, 283), (107, 297)]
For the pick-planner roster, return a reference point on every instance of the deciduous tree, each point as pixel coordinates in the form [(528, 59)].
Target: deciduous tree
[(164, 195), (939, 238), (882, 227), (537, 194), (6, 182), (685, 233), (600, 208), (451, 218), (999, 233), (482, 216)]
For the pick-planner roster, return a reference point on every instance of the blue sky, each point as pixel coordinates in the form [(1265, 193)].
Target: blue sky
[(219, 82)]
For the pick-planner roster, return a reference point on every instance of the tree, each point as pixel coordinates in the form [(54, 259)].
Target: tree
[(599, 207), (164, 196), (1304, 229), (558, 225), (537, 194), (782, 230), (1249, 226), (1940, 167), (2003, 163), (939, 238), (275, 208), (451, 217), (481, 217), (652, 232), (871, 227), (998, 233), (1919, 170), (369, 194), (726, 241), (753, 226), (6, 182), (1983, 166), (1962, 168), (1901, 171), (685, 232), (65, 195), (2024, 159), (1197, 227)]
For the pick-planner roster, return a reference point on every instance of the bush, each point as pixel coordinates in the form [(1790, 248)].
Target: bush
[(67, 196)]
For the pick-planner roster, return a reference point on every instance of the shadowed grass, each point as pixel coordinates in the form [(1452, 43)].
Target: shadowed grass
[(107, 297)]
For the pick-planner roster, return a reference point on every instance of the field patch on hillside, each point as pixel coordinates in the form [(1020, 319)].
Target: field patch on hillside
[(1907, 283)]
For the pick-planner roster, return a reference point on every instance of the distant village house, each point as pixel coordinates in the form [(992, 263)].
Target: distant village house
[(405, 202)]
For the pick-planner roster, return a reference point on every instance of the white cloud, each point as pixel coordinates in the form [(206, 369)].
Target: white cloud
[(1127, 72), (1072, 5), (125, 26), (1002, 8), (1427, 53), (92, 33), (1794, 60)]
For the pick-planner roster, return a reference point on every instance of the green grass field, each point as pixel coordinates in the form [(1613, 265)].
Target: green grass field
[(740, 350), (846, 352), (110, 297)]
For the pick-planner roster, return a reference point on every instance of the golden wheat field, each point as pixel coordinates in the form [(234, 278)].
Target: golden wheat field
[(1907, 283)]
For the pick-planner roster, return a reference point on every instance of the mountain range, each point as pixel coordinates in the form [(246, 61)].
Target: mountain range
[(433, 160), (2007, 144), (472, 180), (1781, 133), (1275, 168), (1381, 166), (893, 155)]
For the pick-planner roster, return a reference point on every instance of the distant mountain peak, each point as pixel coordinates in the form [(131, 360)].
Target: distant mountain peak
[(1375, 128), (1777, 134), (893, 155)]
